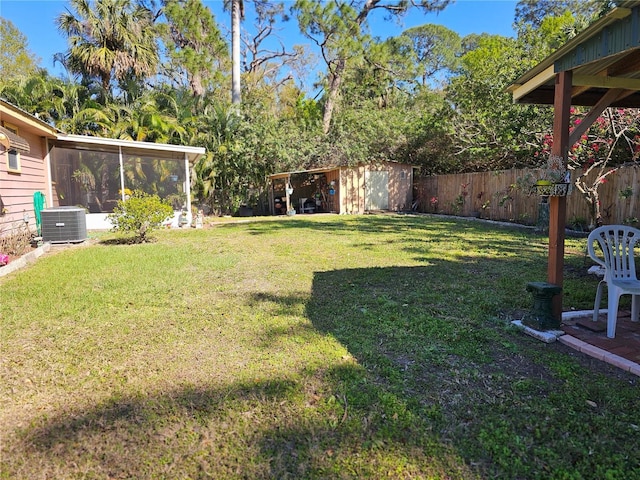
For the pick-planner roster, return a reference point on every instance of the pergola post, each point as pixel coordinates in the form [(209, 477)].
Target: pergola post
[(287, 191), (558, 204)]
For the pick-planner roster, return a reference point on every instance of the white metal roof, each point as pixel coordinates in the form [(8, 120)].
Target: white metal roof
[(129, 146)]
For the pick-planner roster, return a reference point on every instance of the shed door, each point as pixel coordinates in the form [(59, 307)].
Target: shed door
[(376, 190)]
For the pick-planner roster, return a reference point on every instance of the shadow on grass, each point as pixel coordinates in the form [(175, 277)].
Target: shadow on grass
[(437, 360), (353, 419), (256, 429), (503, 402), (127, 240), (375, 224), (493, 240)]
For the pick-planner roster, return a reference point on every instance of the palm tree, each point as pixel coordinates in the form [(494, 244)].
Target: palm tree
[(109, 39), (65, 104), (151, 118), (237, 12), (28, 92), (218, 174)]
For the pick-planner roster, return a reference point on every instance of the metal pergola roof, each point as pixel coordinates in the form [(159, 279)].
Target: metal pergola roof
[(603, 57)]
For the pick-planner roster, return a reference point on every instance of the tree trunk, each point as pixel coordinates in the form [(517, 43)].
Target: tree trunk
[(236, 8), (335, 75), (335, 80), (195, 83)]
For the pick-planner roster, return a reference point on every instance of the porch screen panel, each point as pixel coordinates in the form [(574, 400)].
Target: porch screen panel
[(84, 178), (164, 177)]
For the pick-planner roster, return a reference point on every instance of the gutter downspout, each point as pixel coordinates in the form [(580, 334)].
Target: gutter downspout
[(50, 180)]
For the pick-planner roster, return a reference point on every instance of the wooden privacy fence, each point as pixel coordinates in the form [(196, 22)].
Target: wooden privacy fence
[(501, 195)]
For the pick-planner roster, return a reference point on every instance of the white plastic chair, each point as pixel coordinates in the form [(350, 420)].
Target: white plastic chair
[(617, 243)]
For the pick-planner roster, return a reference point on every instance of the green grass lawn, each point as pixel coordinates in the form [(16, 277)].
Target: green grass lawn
[(307, 347)]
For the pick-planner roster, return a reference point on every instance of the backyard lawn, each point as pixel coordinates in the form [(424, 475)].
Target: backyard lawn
[(305, 347)]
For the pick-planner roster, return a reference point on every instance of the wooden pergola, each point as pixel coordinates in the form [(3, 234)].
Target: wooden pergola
[(598, 68)]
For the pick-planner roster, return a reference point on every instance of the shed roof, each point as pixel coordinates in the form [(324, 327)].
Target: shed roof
[(328, 168), (603, 57), (275, 176)]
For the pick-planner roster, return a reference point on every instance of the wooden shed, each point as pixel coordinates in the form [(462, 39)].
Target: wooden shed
[(347, 190)]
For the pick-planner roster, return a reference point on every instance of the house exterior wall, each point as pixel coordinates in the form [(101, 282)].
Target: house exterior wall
[(353, 186), (17, 188)]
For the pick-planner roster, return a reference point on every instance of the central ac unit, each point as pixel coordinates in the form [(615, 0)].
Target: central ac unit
[(63, 224)]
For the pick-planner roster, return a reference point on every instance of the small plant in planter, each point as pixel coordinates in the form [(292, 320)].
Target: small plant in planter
[(626, 193), (554, 179), (633, 221)]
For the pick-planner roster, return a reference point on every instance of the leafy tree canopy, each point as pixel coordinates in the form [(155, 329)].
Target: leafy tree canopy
[(16, 60), (197, 53), (533, 12), (434, 49)]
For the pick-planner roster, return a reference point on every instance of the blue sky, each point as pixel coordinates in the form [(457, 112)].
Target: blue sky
[(35, 19)]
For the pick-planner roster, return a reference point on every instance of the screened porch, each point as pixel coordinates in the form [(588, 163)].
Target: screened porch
[(95, 173)]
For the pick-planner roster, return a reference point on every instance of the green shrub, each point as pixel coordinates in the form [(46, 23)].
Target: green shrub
[(140, 214)]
